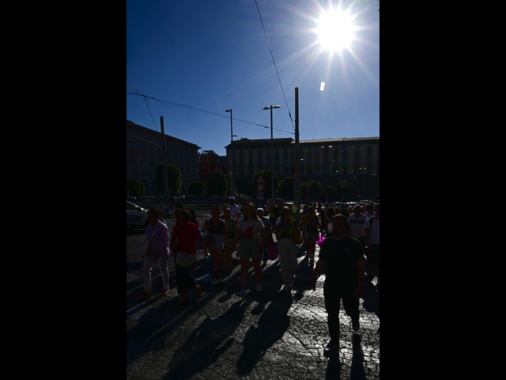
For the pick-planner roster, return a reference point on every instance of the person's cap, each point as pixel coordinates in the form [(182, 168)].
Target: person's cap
[(260, 209), (231, 198)]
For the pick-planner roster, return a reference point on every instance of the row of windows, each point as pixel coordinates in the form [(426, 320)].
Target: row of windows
[(315, 170), (362, 156)]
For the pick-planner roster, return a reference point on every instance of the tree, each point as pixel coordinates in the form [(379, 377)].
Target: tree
[(304, 191), (244, 187), (217, 184), (286, 188), (174, 178), (314, 190), (135, 187), (196, 188)]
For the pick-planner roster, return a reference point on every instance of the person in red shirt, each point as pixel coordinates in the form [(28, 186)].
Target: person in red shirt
[(183, 241)]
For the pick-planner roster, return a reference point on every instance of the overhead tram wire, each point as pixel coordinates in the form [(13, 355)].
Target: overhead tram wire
[(275, 67), (196, 109), (137, 92)]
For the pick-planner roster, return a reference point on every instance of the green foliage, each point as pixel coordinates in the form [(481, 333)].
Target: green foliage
[(174, 178), (314, 190), (244, 187), (196, 188), (303, 191), (217, 184), (135, 187), (286, 188)]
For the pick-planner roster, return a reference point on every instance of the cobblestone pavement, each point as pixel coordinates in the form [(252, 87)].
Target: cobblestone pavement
[(270, 335)]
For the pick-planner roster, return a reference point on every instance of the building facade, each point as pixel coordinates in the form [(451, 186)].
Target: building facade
[(145, 152), (348, 163)]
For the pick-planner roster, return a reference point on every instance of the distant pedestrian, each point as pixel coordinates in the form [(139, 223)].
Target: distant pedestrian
[(342, 258), (372, 240), (275, 208), (311, 223), (231, 227), (234, 208), (193, 216), (216, 229), (268, 231), (157, 233), (287, 248), (183, 242), (249, 242), (369, 210), (357, 220)]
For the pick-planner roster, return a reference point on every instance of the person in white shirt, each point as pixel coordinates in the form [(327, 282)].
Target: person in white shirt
[(357, 220), (369, 210), (234, 209)]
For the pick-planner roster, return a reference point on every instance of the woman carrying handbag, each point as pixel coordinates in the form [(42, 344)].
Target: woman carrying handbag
[(157, 233)]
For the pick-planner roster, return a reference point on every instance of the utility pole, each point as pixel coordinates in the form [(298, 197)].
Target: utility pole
[(166, 201), (296, 190), (231, 129), (272, 148)]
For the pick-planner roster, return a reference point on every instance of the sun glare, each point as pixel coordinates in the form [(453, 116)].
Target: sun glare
[(335, 30)]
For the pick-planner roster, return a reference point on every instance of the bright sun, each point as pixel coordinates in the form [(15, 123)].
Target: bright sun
[(335, 30)]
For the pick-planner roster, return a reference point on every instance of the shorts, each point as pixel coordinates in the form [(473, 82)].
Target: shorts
[(218, 241), (249, 248), (373, 255)]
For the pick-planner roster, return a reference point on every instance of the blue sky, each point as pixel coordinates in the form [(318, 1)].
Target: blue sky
[(188, 61)]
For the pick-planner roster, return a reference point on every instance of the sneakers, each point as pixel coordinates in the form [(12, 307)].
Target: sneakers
[(330, 348), (164, 292), (198, 291), (241, 293), (355, 325), (145, 295)]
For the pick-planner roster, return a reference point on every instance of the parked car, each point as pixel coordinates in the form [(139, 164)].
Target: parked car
[(137, 216)]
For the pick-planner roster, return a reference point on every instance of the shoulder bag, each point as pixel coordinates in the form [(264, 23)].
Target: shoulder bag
[(185, 260), (297, 235)]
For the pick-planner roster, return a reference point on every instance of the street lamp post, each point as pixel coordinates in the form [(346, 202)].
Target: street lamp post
[(272, 148), (231, 141), (326, 169), (231, 129)]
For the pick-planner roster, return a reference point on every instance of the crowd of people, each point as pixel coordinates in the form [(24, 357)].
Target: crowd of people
[(349, 241)]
